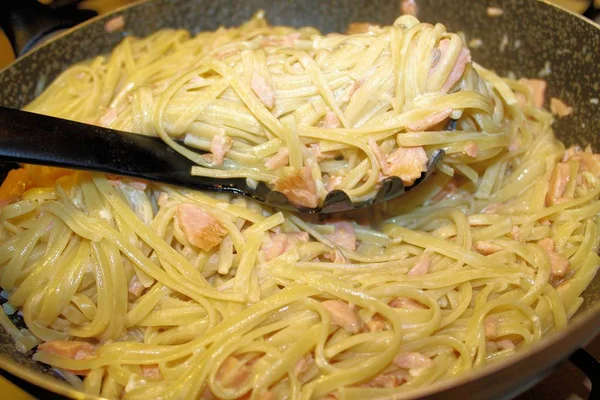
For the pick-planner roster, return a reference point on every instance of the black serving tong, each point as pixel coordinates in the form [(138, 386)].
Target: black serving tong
[(38, 139)]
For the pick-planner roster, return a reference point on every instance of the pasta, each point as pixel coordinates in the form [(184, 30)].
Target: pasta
[(216, 93), (141, 290)]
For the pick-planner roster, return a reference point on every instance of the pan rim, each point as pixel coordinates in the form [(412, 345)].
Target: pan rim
[(42, 381)]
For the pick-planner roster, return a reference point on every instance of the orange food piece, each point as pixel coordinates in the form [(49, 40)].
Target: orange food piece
[(200, 227), (390, 380), (559, 263), (343, 314), (344, 235), (16, 183), (299, 187), (560, 108), (421, 267), (537, 88), (486, 248), (279, 243), (74, 349), (357, 28), (407, 303), (261, 88), (377, 324), (77, 350), (43, 176), (429, 121), (408, 163)]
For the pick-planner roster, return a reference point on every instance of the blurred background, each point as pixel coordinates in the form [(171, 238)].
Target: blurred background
[(566, 384)]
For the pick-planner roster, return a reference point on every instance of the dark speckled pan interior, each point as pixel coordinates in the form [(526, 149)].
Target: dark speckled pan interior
[(538, 38)]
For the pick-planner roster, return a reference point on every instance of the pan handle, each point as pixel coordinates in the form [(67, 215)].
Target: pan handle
[(27, 22), (588, 364)]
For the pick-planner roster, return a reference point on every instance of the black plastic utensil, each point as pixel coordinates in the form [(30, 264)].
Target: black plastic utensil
[(38, 139)]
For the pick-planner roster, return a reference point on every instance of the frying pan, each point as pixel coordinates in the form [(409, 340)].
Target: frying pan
[(539, 39)]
